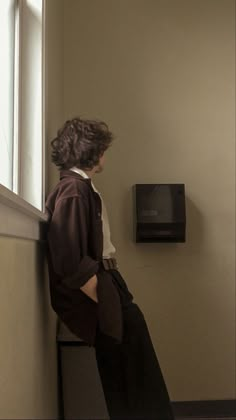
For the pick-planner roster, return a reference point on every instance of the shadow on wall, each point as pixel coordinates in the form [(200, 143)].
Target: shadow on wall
[(43, 291), (45, 335)]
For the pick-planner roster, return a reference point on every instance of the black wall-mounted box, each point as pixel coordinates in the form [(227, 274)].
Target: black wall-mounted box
[(159, 213)]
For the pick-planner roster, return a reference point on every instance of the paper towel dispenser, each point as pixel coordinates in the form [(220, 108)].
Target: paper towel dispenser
[(160, 214)]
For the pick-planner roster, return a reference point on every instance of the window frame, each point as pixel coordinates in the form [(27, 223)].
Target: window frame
[(18, 217)]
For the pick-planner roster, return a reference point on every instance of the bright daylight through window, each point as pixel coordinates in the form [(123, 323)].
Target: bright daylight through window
[(21, 99), (7, 35)]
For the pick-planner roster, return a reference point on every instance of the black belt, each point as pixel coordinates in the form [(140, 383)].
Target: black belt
[(109, 264)]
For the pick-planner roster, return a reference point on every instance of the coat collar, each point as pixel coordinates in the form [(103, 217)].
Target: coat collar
[(71, 174), (66, 173)]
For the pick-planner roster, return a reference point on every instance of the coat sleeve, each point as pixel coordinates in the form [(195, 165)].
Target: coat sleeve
[(68, 242)]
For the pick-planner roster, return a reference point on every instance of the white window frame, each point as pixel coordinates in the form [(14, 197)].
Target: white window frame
[(18, 218)]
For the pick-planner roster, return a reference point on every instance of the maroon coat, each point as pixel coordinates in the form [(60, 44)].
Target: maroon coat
[(75, 246)]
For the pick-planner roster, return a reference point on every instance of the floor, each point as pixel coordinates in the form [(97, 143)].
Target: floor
[(205, 418)]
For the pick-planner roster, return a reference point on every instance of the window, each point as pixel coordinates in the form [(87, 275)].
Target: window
[(7, 35), (22, 101)]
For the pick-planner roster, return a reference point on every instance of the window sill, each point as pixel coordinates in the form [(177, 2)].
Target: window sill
[(18, 218)]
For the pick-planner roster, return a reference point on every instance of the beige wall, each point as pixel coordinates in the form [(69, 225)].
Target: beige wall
[(161, 73), (28, 360), (28, 388)]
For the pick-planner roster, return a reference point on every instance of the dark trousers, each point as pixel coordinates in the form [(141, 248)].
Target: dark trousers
[(131, 377)]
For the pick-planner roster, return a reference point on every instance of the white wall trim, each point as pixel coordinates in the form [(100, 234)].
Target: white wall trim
[(19, 218)]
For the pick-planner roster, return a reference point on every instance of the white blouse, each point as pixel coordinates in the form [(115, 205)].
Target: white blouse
[(108, 247)]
